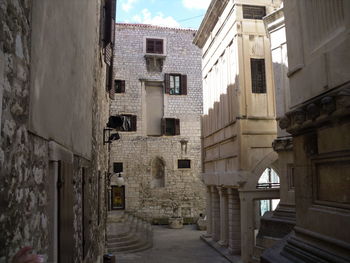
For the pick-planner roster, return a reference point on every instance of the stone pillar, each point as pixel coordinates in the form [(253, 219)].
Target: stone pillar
[(215, 214), (223, 216), (234, 218), (209, 212)]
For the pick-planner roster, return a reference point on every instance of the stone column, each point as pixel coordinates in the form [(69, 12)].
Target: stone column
[(223, 217), (215, 223), (234, 218), (209, 212)]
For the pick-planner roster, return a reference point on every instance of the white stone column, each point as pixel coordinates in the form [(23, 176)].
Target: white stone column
[(215, 214), (223, 217), (234, 218), (209, 212)]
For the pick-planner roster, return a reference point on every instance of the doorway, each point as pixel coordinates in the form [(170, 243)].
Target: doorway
[(118, 197)]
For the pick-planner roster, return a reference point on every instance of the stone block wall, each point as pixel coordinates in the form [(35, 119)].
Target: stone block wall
[(183, 192), (26, 183)]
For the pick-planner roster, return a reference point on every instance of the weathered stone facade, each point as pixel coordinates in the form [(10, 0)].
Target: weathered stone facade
[(181, 191), (239, 122), (44, 100)]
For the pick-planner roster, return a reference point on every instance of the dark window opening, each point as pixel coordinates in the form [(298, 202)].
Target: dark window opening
[(175, 84), (124, 122), (117, 167), (253, 12), (154, 46), (181, 164), (170, 126), (258, 75), (119, 86)]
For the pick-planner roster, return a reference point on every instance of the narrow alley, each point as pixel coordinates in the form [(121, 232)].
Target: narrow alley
[(174, 246)]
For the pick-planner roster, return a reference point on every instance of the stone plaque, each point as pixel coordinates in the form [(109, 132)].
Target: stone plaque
[(333, 182)]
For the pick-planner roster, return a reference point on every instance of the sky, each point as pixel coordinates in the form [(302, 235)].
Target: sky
[(170, 13)]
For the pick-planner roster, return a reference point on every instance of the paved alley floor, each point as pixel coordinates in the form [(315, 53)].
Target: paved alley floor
[(175, 246)]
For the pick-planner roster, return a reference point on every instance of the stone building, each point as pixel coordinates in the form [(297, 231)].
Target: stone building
[(239, 123), (317, 34), (158, 106), (277, 224), (53, 109)]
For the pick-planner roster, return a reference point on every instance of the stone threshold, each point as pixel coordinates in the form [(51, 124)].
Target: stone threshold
[(222, 250)]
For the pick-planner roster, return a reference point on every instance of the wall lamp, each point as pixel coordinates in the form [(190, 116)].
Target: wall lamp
[(108, 137)]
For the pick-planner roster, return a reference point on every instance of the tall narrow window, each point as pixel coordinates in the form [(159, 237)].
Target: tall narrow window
[(175, 84), (154, 46), (258, 75), (253, 12)]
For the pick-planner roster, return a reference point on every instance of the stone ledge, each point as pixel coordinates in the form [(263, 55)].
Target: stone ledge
[(221, 250)]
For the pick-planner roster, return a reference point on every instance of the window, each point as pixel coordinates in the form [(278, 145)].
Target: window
[(119, 86), (124, 122), (117, 167), (258, 75), (170, 126), (290, 176), (253, 12), (182, 164), (175, 84), (154, 46)]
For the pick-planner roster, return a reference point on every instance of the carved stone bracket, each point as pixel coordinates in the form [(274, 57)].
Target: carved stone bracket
[(282, 144), (329, 107), (154, 63)]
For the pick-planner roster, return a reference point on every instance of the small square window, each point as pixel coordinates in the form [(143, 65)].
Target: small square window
[(117, 167), (183, 164), (154, 46), (170, 126), (119, 86)]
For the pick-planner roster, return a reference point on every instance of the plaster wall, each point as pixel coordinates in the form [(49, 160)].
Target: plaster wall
[(61, 81)]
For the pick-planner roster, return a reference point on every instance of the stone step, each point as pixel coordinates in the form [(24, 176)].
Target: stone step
[(147, 246), (128, 242), (257, 252), (126, 248)]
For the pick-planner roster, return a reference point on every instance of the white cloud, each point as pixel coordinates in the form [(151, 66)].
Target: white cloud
[(126, 6), (196, 4), (158, 20)]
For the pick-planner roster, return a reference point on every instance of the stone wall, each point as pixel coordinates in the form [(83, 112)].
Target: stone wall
[(27, 185), (183, 192)]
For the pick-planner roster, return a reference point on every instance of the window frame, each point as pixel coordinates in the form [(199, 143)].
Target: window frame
[(183, 160), (166, 123), (151, 43), (258, 78), (182, 83), (119, 86), (255, 14), (163, 54)]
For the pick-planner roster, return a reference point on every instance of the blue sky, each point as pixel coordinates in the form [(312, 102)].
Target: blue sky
[(172, 13)]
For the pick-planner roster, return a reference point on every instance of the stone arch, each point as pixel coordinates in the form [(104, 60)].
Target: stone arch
[(268, 161), (158, 172)]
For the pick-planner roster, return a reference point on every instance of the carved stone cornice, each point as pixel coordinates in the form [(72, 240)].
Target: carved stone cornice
[(329, 107), (283, 144)]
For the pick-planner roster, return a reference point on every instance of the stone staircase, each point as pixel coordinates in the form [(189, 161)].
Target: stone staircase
[(127, 233)]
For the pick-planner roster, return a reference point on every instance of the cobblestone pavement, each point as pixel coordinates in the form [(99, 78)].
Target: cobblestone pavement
[(175, 246)]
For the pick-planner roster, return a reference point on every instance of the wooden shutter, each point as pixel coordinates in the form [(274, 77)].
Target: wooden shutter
[(133, 120), (65, 212), (167, 83), (177, 127), (109, 22), (122, 86), (110, 87), (163, 126), (183, 84)]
